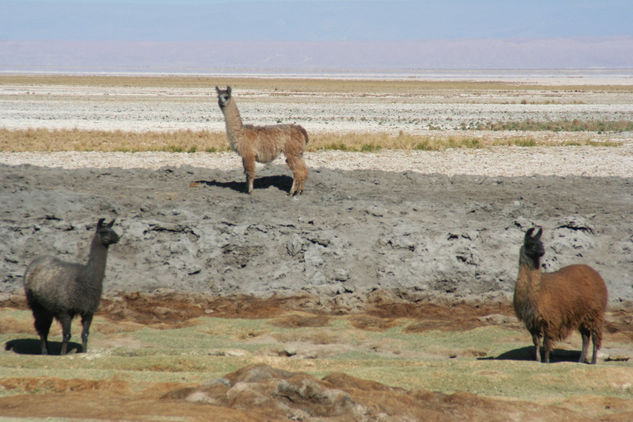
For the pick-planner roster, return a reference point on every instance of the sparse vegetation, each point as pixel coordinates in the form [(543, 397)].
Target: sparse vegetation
[(600, 126), (280, 86)]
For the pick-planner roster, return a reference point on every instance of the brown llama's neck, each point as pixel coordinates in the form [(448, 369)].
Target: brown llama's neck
[(528, 286), (233, 122)]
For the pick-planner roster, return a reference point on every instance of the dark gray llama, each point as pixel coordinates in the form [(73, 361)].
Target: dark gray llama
[(61, 290)]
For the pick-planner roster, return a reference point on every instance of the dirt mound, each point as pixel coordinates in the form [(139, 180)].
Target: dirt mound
[(273, 394), (260, 392)]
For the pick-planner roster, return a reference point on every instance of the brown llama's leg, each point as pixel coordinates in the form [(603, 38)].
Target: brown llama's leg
[(299, 173), (248, 161), (597, 343), (536, 339), (548, 345), (586, 338)]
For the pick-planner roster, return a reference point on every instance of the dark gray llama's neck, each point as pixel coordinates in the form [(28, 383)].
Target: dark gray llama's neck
[(95, 268)]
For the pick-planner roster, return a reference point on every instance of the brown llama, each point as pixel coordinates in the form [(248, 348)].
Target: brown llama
[(264, 143), (552, 305)]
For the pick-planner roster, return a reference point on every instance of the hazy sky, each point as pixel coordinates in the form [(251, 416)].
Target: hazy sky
[(309, 20)]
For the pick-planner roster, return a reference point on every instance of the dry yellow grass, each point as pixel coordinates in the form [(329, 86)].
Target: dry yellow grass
[(45, 140), (94, 140)]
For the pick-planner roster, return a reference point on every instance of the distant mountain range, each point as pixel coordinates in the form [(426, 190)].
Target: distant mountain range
[(314, 57)]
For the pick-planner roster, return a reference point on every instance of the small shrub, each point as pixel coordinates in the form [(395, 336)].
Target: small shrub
[(336, 146), (525, 142), (423, 146), (370, 148)]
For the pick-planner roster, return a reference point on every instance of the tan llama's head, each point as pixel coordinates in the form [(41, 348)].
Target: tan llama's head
[(224, 96)]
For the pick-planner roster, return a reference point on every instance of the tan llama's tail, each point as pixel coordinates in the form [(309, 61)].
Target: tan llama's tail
[(305, 133)]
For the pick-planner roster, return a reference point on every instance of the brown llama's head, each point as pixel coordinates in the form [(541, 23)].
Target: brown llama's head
[(224, 96), (533, 248)]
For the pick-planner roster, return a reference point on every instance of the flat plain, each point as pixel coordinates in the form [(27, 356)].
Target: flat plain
[(381, 294)]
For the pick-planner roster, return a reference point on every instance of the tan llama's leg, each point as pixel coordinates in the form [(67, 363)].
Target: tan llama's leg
[(299, 174), (248, 161), (536, 339)]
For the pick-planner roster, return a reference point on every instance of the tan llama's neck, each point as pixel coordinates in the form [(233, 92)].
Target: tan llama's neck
[(233, 122)]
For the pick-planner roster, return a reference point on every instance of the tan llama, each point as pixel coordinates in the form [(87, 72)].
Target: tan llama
[(263, 144), (552, 305)]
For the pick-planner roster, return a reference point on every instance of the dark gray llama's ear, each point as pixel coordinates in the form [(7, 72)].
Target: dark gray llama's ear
[(228, 89), (111, 223), (539, 233), (217, 90), (528, 234), (100, 223)]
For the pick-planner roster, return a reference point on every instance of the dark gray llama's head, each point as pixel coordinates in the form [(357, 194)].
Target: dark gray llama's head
[(224, 96), (106, 235), (533, 247)]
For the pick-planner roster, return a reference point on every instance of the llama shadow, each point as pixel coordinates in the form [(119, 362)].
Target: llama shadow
[(527, 354), (31, 346), (283, 183)]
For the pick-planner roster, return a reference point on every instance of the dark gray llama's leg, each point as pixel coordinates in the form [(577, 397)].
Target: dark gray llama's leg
[(43, 321), (86, 320), (66, 320)]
